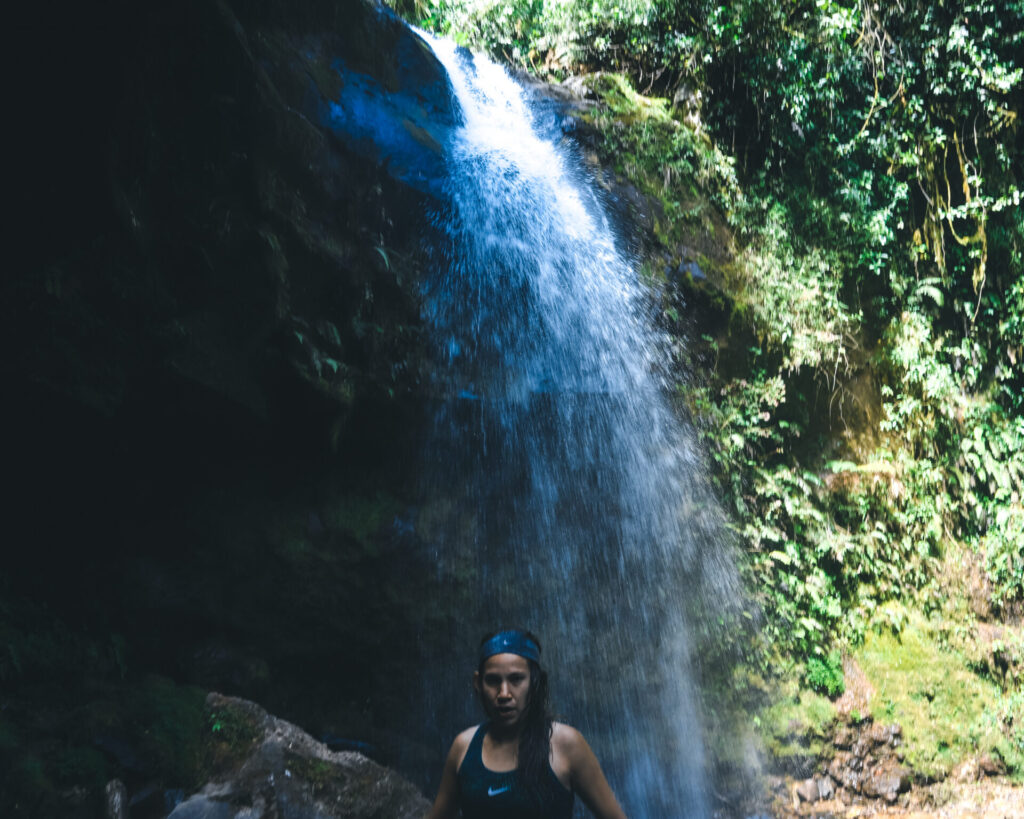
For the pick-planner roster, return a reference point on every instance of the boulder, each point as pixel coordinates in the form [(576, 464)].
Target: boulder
[(808, 791), (886, 780), (117, 799), (274, 769), (845, 769), (826, 787), (882, 735)]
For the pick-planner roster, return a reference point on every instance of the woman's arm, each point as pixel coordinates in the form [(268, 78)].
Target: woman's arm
[(446, 805), (586, 775)]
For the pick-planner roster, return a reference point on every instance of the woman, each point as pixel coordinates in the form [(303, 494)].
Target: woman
[(519, 764)]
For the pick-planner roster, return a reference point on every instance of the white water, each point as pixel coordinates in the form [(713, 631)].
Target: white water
[(568, 496)]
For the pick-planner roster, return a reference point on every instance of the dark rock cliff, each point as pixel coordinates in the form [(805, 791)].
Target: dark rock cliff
[(212, 363)]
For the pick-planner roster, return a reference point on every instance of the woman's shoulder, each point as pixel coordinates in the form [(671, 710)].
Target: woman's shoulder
[(565, 738), (460, 745), (465, 737)]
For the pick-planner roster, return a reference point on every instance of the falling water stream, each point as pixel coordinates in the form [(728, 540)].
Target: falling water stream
[(567, 494)]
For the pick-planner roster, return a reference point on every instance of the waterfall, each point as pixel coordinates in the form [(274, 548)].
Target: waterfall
[(567, 494)]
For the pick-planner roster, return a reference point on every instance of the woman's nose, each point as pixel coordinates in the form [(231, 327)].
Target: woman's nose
[(503, 691)]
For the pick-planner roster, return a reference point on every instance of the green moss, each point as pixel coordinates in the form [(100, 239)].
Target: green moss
[(794, 727), (318, 773), (625, 103), (28, 790), (8, 737), (670, 162), (229, 736), (945, 710)]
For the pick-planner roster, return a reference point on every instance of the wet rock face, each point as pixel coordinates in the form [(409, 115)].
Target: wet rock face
[(209, 254), (887, 780), (866, 764), (282, 771), (212, 332), (212, 229)]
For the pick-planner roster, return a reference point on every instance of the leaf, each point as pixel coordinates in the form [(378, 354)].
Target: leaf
[(810, 624)]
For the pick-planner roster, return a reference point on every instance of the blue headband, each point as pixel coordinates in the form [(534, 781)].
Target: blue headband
[(510, 642)]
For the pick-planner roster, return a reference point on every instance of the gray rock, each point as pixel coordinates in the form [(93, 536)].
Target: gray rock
[(808, 791), (887, 780), (826, 787), (844, 738), (845, 769), (280, 771), (202, 807), (885, 734), (577, 87), (117, 799)]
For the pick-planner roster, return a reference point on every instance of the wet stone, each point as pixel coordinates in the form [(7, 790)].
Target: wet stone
[(808, 791), (862, 747), (885, 734), (844, 739), (887, 780), (826, 787), (202, 807), (845, 769), (117, 799)]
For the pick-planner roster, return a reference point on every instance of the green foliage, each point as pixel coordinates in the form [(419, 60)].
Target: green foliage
[(947, 712), (792, 288), (507, 29), (1005, 715), (644, 139), (962, 454), (825, 675), (862, 399), (1004, 555)]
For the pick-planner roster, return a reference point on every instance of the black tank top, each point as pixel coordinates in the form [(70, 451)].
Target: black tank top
[(487, 794)]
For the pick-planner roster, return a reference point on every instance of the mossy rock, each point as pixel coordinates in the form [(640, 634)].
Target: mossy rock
[(947, 711), (232, 732), (795, 729)]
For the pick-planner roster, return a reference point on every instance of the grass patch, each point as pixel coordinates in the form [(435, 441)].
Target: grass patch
[(947, 712)]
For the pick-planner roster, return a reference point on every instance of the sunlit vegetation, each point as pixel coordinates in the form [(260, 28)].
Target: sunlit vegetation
[(858, 376), (947, 712)]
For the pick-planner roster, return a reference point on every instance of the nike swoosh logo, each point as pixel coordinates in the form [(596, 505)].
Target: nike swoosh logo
[(496, 791)]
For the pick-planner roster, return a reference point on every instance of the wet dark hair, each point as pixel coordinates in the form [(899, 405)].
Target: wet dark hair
[(535, 736)]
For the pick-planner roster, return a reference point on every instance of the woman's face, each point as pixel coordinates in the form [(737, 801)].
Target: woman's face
[(504, 687)]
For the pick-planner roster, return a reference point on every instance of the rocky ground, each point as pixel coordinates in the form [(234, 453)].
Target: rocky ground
[(864, 774), (261, 766), (986, 799)]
